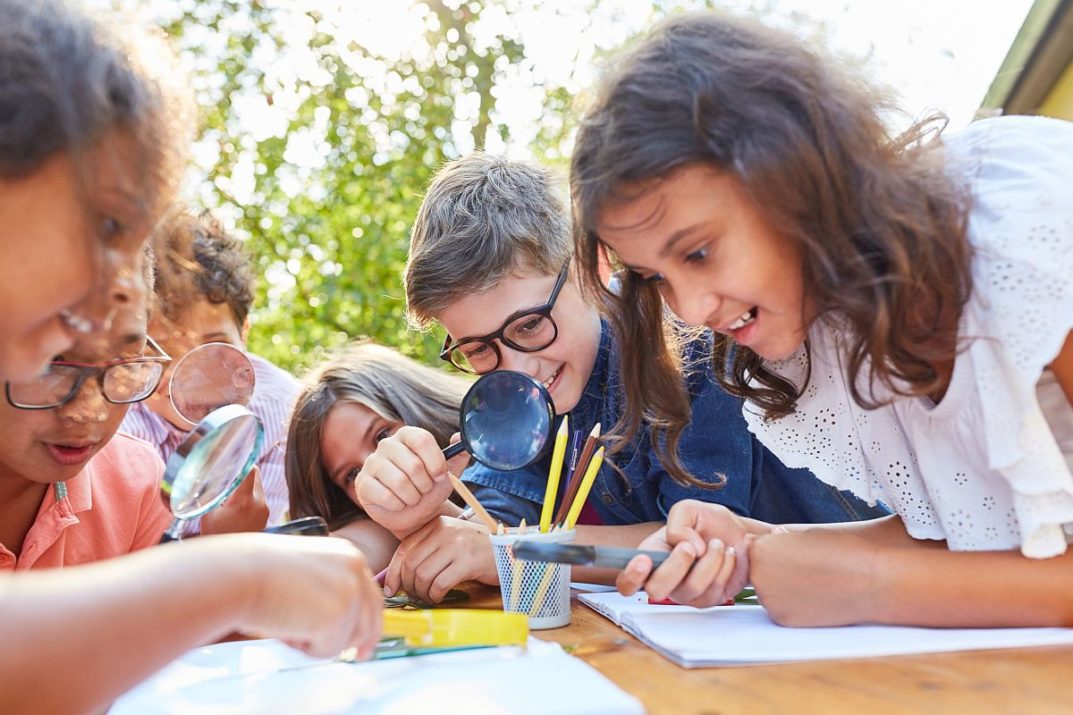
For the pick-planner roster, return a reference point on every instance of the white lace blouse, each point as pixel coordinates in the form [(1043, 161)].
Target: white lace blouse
[(984, 469)]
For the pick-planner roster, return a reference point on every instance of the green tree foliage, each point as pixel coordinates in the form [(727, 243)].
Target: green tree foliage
[(326, 199), (318, 148)]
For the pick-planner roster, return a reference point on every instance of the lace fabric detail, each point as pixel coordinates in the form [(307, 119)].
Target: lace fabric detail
[(982, 469)]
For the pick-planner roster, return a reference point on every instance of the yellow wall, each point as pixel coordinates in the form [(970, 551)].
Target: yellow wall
[(1059, 103)]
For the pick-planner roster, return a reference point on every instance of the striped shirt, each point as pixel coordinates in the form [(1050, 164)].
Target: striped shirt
[(273, 399)]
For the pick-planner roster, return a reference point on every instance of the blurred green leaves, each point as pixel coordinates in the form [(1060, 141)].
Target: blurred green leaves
[(318, 150)]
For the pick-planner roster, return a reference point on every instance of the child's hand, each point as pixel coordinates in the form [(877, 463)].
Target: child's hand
[(244, 510), (442, 554), (316, 594), (708, 564), (403, 485)]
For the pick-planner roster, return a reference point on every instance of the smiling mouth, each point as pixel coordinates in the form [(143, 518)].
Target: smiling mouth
[(744, 320), (552, 378)]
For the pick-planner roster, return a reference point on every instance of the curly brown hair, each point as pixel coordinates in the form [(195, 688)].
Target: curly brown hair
[(881, 226), (198, 260)]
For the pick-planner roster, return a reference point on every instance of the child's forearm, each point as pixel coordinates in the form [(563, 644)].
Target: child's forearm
[(928, 586), (884, 530), (377, 543), (447, 508), (92, 621), (873, 572)]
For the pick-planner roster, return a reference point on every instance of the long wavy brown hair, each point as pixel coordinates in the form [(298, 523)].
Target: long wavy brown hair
[(881, 225), (395, 387)]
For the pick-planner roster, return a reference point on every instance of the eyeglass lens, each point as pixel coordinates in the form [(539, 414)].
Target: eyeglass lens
[(527, 333), (122, 383)]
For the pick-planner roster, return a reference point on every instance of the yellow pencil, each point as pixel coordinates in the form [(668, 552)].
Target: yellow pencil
[(542, 590), (554, 474), (586, 486), (517, 573)]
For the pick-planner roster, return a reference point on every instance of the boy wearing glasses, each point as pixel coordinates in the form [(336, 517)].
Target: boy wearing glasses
[(490, 261), (71, 489)]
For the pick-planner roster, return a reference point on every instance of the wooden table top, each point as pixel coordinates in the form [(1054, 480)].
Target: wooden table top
[(1021, 680)]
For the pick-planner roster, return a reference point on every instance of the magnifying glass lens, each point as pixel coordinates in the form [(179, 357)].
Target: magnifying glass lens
[(506, 420), (206, 472), (209, 377)]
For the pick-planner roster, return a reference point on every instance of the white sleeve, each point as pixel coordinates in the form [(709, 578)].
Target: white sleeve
[(1021, 227)]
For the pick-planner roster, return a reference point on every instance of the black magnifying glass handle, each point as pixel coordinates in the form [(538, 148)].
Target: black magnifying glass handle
[(453, 449), (306, 526)]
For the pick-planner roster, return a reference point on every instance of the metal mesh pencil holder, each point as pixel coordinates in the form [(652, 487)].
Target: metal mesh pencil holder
[(541, 590)]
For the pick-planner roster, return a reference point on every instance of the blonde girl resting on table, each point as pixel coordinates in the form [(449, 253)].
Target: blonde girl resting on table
[(347, 406), (896, 310)]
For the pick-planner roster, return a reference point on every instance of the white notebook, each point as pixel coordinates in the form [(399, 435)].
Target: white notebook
[(744, 635), (268, 677)]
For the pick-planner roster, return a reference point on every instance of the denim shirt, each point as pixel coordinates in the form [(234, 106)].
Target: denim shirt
[(716, 442)]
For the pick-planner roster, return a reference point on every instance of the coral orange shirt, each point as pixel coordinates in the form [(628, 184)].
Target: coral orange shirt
[(110, 508)]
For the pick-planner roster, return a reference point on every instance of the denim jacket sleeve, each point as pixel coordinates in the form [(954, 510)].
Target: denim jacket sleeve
[(508, 496)]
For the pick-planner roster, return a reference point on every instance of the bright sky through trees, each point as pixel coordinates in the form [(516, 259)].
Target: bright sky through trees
[(322, 121)]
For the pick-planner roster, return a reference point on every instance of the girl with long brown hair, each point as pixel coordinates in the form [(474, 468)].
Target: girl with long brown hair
[(896, 310)]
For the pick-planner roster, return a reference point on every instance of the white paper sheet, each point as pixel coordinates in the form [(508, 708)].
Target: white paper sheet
[(744, 635), (266, 676), (585, 587)]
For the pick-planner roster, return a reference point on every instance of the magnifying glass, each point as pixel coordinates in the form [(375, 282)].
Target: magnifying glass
[(506, 421), (210, 464), (209, 377), (210, 387)]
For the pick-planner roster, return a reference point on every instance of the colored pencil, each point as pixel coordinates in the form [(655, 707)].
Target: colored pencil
[(579, 472), (542, 590), (467, 496), (554, 474), (517, 571), (586, 486)]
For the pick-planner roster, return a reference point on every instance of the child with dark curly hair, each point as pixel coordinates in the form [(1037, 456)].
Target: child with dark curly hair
[(203, 294)]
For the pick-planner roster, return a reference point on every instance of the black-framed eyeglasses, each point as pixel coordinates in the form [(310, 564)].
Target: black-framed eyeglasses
[(526, 331), (122, 381)]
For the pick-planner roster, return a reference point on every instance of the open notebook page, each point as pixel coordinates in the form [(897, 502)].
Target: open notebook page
[(744, 635)]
